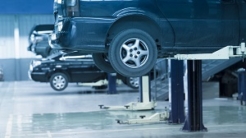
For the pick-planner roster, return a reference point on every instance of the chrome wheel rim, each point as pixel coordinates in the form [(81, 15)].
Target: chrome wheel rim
[(134, 81), (59, 82), (134, 53)]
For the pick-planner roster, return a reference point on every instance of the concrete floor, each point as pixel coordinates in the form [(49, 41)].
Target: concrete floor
[(33, 110)]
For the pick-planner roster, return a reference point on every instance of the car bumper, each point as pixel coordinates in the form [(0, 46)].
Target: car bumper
[(37, 76), (30, 48)]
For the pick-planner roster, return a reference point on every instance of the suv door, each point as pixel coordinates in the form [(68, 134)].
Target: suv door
[(230, 24), (201, 25), (242, 12)]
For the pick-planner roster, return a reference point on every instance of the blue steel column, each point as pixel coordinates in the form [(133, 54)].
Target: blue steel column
[(241, 85), (193, 86), (112, 83), (144, 88), (176, 91)]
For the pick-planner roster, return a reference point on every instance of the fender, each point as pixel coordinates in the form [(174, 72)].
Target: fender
[(135, 11), (167, 35)]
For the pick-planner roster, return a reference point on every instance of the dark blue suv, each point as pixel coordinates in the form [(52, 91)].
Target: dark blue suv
[(127, 36)]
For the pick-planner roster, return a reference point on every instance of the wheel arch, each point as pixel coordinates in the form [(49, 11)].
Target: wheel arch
[(136, 21), (60, 71)]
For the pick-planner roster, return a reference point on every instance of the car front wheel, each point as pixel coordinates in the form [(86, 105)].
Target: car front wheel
[(59, 81), (132, 82), (101, 61), (132, 53)]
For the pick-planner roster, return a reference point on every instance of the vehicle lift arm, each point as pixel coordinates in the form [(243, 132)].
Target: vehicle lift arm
[(144, 103)]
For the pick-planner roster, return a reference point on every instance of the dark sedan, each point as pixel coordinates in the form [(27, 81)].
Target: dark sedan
[(1, 74), (61, 68)]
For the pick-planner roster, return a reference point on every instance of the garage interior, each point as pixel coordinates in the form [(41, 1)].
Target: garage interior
[(34, 110)]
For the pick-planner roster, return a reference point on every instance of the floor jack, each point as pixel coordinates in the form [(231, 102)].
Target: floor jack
[(144, 103)]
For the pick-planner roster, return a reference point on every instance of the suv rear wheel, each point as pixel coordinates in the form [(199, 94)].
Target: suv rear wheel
[(59, 81), (132, 53)]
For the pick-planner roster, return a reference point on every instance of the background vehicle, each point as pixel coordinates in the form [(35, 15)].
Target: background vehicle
[(38, 40), (131, 35), (1, 74), (62, 68)]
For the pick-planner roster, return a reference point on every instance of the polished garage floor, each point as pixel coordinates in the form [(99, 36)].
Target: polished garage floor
[(34, 110)]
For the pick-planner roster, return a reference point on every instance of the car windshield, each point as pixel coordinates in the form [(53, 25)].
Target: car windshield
[(44, 27)]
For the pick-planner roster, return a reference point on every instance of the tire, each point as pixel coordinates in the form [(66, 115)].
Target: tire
[(59, 81), (132, 53), (101, 61), (132, 82)]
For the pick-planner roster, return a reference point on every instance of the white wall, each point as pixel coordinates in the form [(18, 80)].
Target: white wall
[(14, 31), (24, 23)]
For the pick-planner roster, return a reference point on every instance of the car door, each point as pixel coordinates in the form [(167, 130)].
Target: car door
[(242, 13), (200, 25), (75, 69), (230, 23)]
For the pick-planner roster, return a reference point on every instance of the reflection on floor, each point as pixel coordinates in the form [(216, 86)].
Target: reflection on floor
[(34, 110)]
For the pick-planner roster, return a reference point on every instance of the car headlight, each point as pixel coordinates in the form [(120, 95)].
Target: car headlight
[(59, 1), (59, 26), (32, 38), (36, 63), (39, 38), (31, 67)]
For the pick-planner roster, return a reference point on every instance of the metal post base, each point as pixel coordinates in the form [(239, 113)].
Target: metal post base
[(155, 118), (132, 106), (194, 118), (242, 102)]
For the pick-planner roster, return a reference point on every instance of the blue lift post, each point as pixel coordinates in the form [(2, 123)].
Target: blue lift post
[(193, 90), (112, 83), (241, 85), (176, 91)]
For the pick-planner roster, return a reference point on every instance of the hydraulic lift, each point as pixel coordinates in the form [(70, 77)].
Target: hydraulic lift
[(175, 113), (145, 102), (193, 88)]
